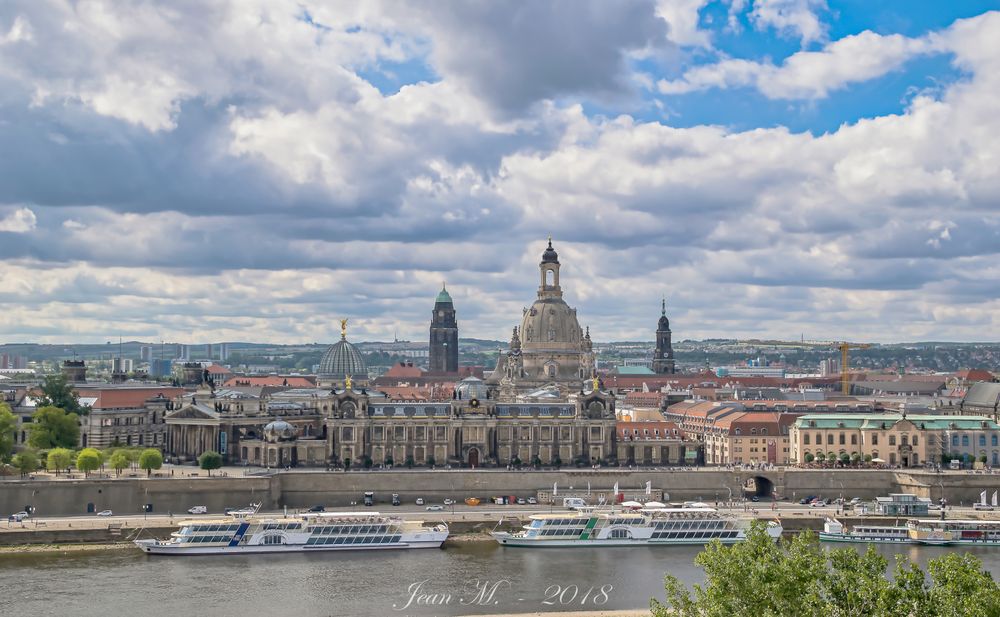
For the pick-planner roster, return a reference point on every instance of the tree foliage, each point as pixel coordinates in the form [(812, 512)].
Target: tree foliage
[(88, 460), (58, 392), (209, 460), (118, 460), (761, 578), (150, 459), (52, 427), (25, 461), (8, 426), (59, 459)]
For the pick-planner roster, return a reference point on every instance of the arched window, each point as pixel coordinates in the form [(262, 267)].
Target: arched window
[(982, 441), (965, 440), (993, 441)]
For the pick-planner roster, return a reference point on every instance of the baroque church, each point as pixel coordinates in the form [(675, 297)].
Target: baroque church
[(549, 350)]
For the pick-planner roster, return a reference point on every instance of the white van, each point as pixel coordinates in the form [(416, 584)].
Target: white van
[(573, 503), (197, 510)]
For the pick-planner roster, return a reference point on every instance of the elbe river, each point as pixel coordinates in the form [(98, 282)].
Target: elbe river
[(468, 579)]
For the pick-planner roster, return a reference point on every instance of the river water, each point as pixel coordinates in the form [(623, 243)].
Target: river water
[(473, 578)]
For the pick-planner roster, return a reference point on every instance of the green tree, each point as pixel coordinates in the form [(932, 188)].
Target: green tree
[(26, 461), (797, 577), (868, 458), (8, 427), (209, 460), (150, 459), (118, 461), (809, 457), (855, 458), (51, 427), (820, 457), (409, 462), (58, 392), (59, 459), (430, 461), (88, 460), (845, 458), (389, 461)]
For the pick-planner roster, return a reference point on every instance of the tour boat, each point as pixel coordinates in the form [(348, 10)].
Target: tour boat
[(954, 532), (834, 531), (333, 531), (651, 526)]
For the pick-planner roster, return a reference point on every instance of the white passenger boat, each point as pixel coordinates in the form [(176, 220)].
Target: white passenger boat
[(954, 532), (245, 532), (834, 531), (651, 526)]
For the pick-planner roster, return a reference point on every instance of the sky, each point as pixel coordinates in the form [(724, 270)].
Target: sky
[(255, 170)]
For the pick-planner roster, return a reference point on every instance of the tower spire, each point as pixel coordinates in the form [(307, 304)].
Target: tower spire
[(663, 306)]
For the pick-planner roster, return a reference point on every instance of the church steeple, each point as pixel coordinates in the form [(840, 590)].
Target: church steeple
[(549, 270), (443, 334), (663, 356)]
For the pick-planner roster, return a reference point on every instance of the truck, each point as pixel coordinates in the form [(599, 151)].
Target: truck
[(573, 503), (369, 498)]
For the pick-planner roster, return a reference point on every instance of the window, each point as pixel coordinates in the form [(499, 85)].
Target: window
[(993, 441), (982, 441), (874, 440), (954, 440), (843, 439), (892, 440), (965, 440), (854, 440), (914, 440), (829, 439), (805, 439), (763, 431)]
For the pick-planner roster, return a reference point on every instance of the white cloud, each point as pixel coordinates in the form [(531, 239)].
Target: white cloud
[(808, 74), (21, 220), (683, 17), (19, 31), (795, 17)]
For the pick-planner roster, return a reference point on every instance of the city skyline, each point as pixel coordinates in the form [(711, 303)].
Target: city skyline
[(254, 171)]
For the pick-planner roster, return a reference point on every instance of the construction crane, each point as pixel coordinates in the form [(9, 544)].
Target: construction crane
[(845, 369)]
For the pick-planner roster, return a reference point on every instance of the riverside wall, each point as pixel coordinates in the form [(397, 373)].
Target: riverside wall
[(302, 489)]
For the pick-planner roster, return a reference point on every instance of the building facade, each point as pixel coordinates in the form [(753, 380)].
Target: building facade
[(896, 439), (443, 355)]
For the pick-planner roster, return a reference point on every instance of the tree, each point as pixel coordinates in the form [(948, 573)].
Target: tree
[(118, 461), (516, 462), (557, 462), (58, 392), (26, 461), (88, 460), (845, 458), (820, 457), (797, 577), (409, 461), (368, 462), (59, 459), (868, 458), (982, 458), (347, 463), (430, 461), (8, 426), (855, 458), (389, 461), (536, 462), (209, 460), (150, 459), (809, 457), (51, 427)]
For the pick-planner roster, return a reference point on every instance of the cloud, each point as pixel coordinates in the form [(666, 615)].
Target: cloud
[(228, 168), (807, 74), (19, 221), (797, 18)]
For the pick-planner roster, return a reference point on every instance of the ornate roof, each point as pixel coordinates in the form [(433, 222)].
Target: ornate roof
[(443, 296), (342, 358)]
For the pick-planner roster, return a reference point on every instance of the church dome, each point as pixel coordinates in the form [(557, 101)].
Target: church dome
[(443, 296), (279, 430), (550, 324), (470, 388), (341, 359), (550, 256)]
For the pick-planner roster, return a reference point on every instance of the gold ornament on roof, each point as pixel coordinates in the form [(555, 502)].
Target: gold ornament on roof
[(343, 329), (595, 383), (347, 380)]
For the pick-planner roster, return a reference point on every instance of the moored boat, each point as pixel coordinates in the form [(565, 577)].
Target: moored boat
[(834, 531), (649, 526), (249, 533), (954, 532)]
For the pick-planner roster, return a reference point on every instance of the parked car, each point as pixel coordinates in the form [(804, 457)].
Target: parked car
[(197, 510), (532, 501), (817, 503), (17, 517), (105, 513), (755, 498), (420, 501), (317, 509), (806, 500), (435, 508), (521, 501), (395, 499), (981, 506), (855, 501), (449, 502)]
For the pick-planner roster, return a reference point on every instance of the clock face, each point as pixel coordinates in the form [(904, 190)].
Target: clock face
[(440, 313)]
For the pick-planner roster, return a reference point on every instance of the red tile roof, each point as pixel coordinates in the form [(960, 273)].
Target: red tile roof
[(292, 381), (127, 398)]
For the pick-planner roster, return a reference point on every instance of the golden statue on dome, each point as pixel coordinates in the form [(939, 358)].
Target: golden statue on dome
[(347, 381), (343, 329)]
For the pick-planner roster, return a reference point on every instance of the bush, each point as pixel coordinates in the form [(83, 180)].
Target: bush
[(809, 458)]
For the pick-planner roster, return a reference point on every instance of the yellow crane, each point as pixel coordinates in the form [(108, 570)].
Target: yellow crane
[(845, 369)]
